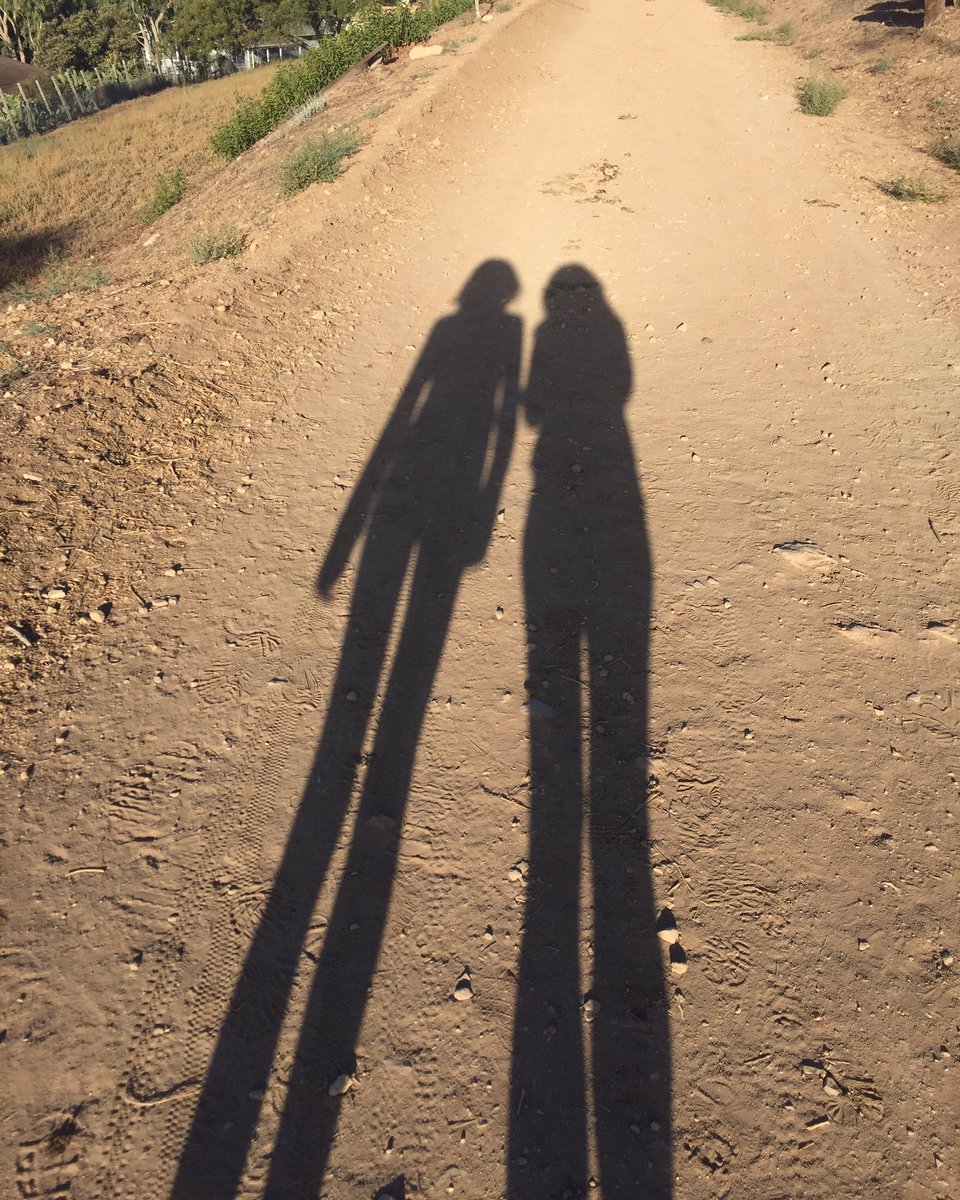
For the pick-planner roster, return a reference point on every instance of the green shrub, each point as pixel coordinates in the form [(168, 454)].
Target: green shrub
[(782, 35), (881, 66), (170, 190), (949, 153), (225, 242), (907, 188), (316, 161), (742, 8), (294, 84), (819, 97)]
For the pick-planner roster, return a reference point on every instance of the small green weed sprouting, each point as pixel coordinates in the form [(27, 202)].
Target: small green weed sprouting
[(742, 8), (880, 67), (948, 153), (783, 35), (915, 188), (33, 328), (58, 280), (820, 97), (225, 242), (318, 161), (170, 190)]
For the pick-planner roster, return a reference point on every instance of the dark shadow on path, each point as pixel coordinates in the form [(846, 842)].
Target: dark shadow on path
[(425, 508), (591, 1059)]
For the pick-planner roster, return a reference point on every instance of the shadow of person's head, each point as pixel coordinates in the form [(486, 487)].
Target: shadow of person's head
[(490, 288), (581, 364)]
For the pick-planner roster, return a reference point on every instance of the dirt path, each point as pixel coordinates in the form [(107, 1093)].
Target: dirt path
[(537, 617)]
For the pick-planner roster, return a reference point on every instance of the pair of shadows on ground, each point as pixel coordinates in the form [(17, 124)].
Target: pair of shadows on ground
[(427, 500)]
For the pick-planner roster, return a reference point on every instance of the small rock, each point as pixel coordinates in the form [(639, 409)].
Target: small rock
[(678, 959), (352, 697), (591, 1009), (97, 616), (425, 51), (464, 989), (341, 1085), (946, 957), (830, 1085), (863, 944)]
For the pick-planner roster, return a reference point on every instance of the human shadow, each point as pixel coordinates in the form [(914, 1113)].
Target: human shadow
[(902, 14), (591, 1052), (425, 507)]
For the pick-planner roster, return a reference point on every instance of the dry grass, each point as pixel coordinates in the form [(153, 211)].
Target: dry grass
[(76, 192)]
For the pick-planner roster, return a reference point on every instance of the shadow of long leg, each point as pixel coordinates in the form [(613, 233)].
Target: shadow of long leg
[(547, 1139), (629, 1039), (351, 948), (212, 1163)]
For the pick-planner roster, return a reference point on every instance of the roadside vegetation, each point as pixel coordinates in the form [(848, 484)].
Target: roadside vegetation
[(317, 161), (77, 191), (820, 97), (225, 242), (297, 82), (948, 152), (782, 35), (170, 190), (742, 8), (914, 188)]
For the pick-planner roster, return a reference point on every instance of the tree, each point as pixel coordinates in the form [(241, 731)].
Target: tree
[(21, 25), (89, 38), (201, 27)]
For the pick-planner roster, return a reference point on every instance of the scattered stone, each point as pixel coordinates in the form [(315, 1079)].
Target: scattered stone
[(499, 613), (591, 1009), (54, 593), (667, 927), (806, 556), (830, 1085), (97, 616), (352, 697), (464, 989), (425, 51), (818, 1123), (678, 959), (946, 957), (538, 711), (863, 944), (341, 1085)]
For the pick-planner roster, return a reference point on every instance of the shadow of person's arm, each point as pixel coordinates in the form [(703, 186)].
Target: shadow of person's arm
[(503, 433), (355, 518)]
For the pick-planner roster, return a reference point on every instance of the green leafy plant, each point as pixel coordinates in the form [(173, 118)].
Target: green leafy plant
[(880, 67), (294, 85), (783, 35), (742, 8), (170, 190), (318, 161), (225, 242), (948, 153), (912, 188), (820, 97)]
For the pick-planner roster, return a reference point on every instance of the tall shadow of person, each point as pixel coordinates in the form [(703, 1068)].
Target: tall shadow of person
[(590, 1049), (426, 503)]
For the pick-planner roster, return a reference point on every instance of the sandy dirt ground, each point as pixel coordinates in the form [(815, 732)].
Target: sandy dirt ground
[(526, 765)]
